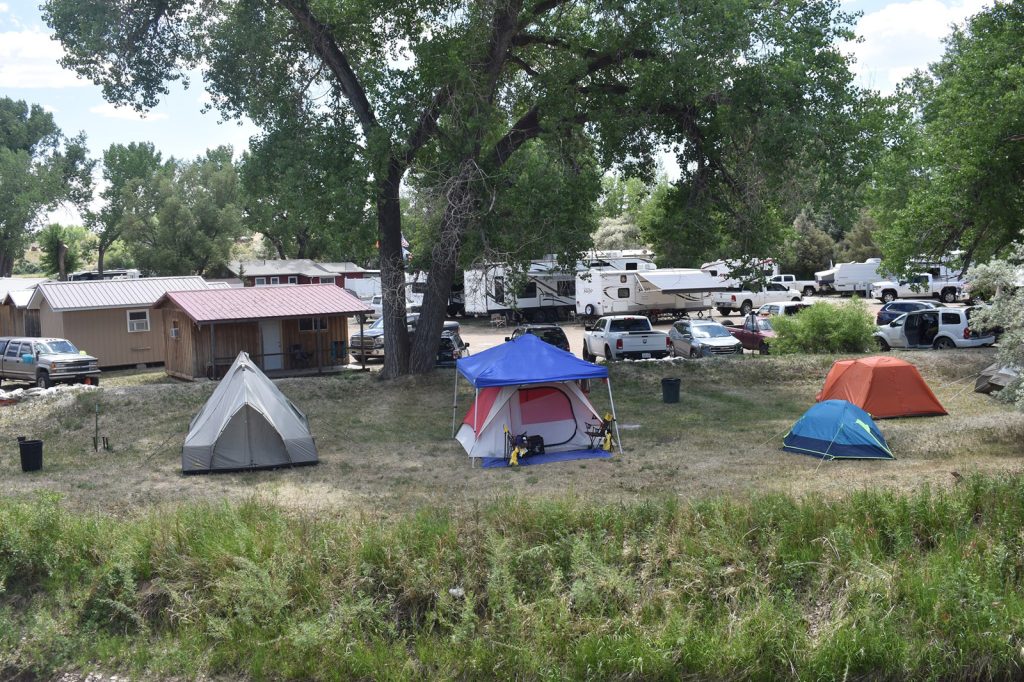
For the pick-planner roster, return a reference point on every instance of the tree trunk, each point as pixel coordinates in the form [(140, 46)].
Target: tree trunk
[(6, 265), (62, 252), (101, 253), (444, 258), (392, 274)]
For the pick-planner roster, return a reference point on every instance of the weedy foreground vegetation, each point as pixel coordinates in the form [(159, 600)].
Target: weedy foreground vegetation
[(880, 585), (703, 551)]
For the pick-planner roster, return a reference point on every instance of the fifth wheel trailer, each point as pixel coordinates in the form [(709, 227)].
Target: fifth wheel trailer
[(670, 291)]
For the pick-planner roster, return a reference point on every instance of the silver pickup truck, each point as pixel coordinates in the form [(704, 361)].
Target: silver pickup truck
[(45, 362)]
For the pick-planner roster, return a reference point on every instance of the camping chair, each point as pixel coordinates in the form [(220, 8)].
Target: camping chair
[(498, 320), (300, 358), (600, 434), (518, 447)]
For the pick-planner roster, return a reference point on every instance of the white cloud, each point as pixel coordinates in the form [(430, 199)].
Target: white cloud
[(28, 59), (4, 8), (108, 110), (49, 108), (904, 36)]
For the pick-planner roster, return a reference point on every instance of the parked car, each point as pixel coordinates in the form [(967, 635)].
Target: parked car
[(938, 328), (702, 338), (755, 334), (370, 344), (807, 287), (921, 285), (46, 362), (624, 336), (551, 333), (890, 311), (451, 348), (782, 308)]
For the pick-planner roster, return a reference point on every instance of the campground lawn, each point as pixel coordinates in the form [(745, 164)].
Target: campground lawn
[(703, 552), (387, 447)]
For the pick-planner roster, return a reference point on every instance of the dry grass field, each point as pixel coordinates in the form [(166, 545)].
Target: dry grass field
[(387, 446)]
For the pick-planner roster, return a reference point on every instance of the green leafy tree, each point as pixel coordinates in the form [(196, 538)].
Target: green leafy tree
[(128, 170), (187, 218), (954, 178), (808, 249), (70, 243), (859, 243), (39, 169), (1001, 282), (451, 93), (617, 233), (306, 191)]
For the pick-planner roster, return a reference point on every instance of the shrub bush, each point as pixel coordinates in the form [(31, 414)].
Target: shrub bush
[(826, 328)]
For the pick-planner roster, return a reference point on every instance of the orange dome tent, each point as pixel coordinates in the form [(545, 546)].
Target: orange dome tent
[(883, 387)]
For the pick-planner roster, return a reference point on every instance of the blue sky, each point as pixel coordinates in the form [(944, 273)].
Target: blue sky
[(897, 38)]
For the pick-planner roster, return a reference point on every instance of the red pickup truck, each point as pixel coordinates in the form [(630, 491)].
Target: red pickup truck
[(755, 334)]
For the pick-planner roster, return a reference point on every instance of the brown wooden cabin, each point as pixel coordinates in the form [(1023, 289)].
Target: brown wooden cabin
[(285, 330)]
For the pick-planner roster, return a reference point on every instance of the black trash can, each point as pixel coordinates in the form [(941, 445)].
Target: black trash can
[(31, 454), (670, 390)]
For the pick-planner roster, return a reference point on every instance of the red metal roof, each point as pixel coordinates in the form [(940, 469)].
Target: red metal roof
[(254, 303)]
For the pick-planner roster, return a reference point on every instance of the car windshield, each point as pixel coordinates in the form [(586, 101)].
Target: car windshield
[(378, 323), (60, 346), (710, 331), (633, 324), (552, 336), (763, 325)]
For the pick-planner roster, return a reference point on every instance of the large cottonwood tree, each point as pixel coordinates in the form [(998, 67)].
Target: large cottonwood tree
[(453, 90), (40, 168)]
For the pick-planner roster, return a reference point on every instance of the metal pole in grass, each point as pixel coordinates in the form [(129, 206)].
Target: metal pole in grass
[(455, 399), (615, 419)]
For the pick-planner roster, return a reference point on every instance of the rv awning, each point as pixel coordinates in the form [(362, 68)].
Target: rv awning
[(682, 282)]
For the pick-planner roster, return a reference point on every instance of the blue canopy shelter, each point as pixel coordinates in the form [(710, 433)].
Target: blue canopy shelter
[(837, 429), (528, 385)]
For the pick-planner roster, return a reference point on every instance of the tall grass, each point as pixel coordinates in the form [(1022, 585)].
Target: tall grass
[(878, 585)]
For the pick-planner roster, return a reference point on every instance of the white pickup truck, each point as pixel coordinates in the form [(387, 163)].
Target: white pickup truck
[(624, 336), (921, 285), (808, 287), (745, 300)]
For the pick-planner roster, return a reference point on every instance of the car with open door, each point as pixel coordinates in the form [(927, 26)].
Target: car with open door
[(938, 328)]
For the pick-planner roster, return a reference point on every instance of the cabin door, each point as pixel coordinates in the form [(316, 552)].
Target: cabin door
[(270, 332)]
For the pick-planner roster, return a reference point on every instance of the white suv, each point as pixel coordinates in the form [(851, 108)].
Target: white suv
[(938, 328)]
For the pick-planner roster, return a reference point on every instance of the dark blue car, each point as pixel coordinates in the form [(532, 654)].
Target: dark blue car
[(890, 311)]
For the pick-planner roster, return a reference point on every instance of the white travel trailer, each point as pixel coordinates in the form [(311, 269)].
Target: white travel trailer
[(549, 292), (849, 278), (656, 292), (723, 268)]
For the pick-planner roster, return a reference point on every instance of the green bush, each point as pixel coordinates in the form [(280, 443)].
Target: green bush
[(825, 328)]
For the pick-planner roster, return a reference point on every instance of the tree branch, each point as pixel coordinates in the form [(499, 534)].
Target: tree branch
[(327, 49), (426, 127), (526, 128)]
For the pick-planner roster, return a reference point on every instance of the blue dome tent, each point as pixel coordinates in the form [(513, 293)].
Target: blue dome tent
[(837, 429)]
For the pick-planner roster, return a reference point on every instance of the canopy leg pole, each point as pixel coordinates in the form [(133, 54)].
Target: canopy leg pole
[(455, 400), (615, 419), (476, 420)]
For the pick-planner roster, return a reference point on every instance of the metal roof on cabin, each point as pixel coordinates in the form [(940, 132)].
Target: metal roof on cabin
[(9, 284), (291, 266), (255, 303), (19, 298), (111, 293)]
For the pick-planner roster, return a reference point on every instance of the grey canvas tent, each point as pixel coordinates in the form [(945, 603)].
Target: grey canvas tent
[(247, 424)]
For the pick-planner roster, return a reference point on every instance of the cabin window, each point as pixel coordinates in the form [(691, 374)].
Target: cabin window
[(324, 280), (260, 281), (499, 288), (529, 291), (275, 280), (175, 330), (292, 279), (138, 321), (311, 324), (623, 292), (567, 287)]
